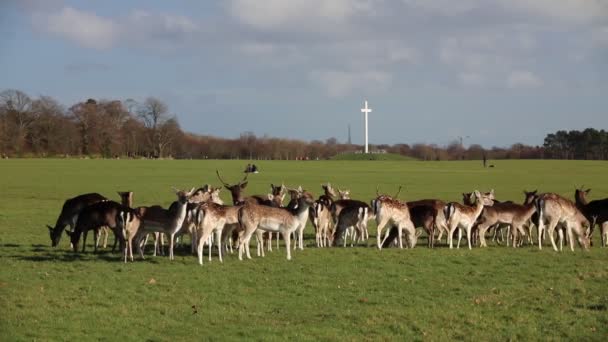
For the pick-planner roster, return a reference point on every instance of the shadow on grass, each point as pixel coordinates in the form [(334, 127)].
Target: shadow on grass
[(9, 245)]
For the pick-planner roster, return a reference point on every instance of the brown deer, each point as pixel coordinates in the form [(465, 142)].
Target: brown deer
[(126, 199), (93, 217), (464, 217), (253, 216), (507, 213), (554, 210), (595, 211), (156, 219), (390, 210), (428, 213), (236, 191), (130, 221), (69, 214)]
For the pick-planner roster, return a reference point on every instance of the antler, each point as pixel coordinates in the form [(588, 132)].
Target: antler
[(398, 191), (244, 179), (377, 190), (220, 178)]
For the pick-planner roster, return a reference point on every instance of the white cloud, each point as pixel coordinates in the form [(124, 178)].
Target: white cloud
[(342, 83), (523, 79), (89, 30), (302, 15), (471, 79), (83, 28)]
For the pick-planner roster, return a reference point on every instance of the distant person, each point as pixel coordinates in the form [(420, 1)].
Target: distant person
[(248, 168), (485, 160), (254, 168)]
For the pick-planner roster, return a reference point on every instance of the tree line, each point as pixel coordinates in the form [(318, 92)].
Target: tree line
[(42, 127)]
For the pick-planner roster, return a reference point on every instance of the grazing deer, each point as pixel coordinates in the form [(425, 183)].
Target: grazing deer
[(95, 216), (351, 223), (428, 213), (507, 213), (554, 210), (464, 217), (69, 214), (253, 216), (595, 211), (156, 219), (390, 210)]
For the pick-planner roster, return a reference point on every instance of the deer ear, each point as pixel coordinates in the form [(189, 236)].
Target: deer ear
[(587, 191), (244, 185), (174, 189), (49, 227)]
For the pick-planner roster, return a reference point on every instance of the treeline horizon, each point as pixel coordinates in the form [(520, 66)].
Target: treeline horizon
[(42, 127)]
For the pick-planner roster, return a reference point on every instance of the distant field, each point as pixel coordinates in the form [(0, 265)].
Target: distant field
[(360, 156), (357, 293)]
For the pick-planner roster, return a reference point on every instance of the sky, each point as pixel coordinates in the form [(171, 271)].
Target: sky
[(495, 72)]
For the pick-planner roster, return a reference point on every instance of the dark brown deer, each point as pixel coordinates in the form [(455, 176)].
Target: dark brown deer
[(69, 214), (595, 211), (94, 217), (237, 192)]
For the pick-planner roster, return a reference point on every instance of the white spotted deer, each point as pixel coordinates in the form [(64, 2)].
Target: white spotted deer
[(390, 210), (555, 210), (284, 221), (464, 217)]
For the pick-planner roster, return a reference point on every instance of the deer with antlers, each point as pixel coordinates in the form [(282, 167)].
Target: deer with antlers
[(464, 217), (595, 211), (389, 209), (555, 210)]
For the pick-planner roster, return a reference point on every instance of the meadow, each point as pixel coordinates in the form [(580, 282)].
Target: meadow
[(360, 293)]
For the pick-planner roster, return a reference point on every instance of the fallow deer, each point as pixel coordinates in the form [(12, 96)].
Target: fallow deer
[(554, 210), (130, 221), (236, 191), (464, 217), (507, 213), (156, 219), (284, 221), (69, 214), (595, 211), (93, 217), (126, 199), (390, 210), (322, 223)]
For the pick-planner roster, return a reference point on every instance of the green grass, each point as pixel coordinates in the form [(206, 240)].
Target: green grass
[(358, 293), (361, 156)]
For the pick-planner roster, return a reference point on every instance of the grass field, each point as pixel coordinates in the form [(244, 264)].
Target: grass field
[(379, 156), (358, 293)]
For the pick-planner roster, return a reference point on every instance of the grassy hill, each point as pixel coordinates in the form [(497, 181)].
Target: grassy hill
[(361, 156)]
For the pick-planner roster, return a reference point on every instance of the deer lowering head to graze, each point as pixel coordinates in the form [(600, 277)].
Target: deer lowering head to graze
[(69, 214), (554, 210), (156, 219), (390, 210), (93, 217), (284, 221), (351, 223), (464, 217), (595, 211)]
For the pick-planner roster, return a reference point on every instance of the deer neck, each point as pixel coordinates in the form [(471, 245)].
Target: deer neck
[(478, 208)]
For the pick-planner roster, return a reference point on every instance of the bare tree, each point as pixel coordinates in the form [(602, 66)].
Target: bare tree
[(17, 108), (155, 113)]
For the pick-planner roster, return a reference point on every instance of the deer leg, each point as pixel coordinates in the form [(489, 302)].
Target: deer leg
[(604, 233), (550, 231), (469, 231), (287, 238), (171, 242), (379, 228)]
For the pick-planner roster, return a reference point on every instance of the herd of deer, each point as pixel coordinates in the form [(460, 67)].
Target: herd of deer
[(335, 217)]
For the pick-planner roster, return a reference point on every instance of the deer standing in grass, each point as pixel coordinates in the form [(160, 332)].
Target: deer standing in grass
[(93, 217), (284, 221), (156, 219), (464, 217), (69, 214), (595, 211), (555, 210), (390, 210)]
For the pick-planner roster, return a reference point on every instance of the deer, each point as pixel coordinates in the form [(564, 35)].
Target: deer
[(350, 220), (94, 217), (236, 191), (464, 217), (595, 211), (388, 209), (322, 223), (126, 199), (275, 199), (554, 210), (284, 221), (69, 214), (156, 219), (507, 213), (130, 221)]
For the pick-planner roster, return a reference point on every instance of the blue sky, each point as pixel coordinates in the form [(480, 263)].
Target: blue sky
[(498, 71)]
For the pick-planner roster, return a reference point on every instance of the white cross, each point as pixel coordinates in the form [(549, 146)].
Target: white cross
[(366, 111)]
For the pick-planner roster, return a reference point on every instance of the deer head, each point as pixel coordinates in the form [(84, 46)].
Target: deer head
[(580, 195), (467, 198), (329, 191), (236, 190), (183, 196), (126, 198), (484, 199), (344, 194), (530, 196)]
